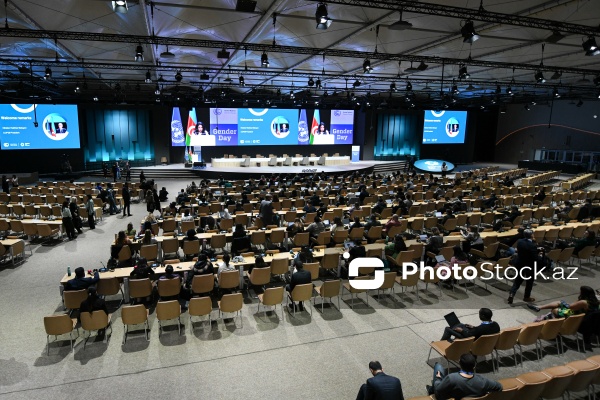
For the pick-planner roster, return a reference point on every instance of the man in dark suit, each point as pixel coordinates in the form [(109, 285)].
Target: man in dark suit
[(527, 255), (461, 331), (380, 386), (300, 277)]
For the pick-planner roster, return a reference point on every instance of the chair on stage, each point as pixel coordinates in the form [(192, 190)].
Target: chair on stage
[(246, 162), (273, 162), (288, 162), (304, 161), (321, 160)]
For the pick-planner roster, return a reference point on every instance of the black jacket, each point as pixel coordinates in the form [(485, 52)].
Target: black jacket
[(300, 277), (384, 387), (526, 253), (483, 329)]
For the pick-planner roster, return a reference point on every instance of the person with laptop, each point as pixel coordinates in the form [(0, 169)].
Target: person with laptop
[(460, 331), (464, 383)]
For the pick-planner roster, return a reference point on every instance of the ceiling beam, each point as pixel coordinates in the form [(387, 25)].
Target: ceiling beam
[(120, 38)]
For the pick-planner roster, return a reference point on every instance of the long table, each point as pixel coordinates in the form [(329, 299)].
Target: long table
[(237, 162)]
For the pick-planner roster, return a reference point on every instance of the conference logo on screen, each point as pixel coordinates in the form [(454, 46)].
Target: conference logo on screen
[(55, 126), (452, 127), (280, 127)]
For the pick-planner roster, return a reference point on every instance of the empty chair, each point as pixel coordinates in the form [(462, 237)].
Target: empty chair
[(352, 290), (168, 310), (203, 284), (229, 280), (199, 307), (170, 246), (534, 384), (271, 297), (411, 280), (231, 303), (259, 277), (109, 287), (328, 289), (506, 341), (584, 373), (561, 378), (570, 328), (134, 315), (485, 345), (168, 288), (451, 351), (94, 321), (46, 232), (549, 332), (529, 336), (59, 325), (149, 252)]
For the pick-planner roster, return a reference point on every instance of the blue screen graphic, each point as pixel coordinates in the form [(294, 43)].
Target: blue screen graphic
[(444, 127), (58, 127)]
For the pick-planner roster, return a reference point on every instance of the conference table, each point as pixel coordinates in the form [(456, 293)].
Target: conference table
[(237, 162), (185, 266), (14, 247)]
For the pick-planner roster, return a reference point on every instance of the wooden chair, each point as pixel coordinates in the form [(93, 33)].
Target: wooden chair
[(149, 252), (584, 373), (94, 321), (134, 315), (72, 298), (168, 288), (485, 345), (168, 310), (109, 287), (301, 293), (451, 351), (328, 289), (549, 332), (570, 328), (231, 303), (533, 384), (170, 246), (506, 341), (271, 297), (279, 266), (259, 277), (46, 232), (313, 268), (199, 307), (139, 289), (191, 248), (59, 325), (561, 377), (529, 336), (410, 281)]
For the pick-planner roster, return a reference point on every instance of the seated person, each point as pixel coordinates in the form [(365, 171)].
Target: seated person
[(224, 266), (588, 239), (355, 224), (148, 238), (461, 331), (190, 235), (163, 194), (296, 227), (380, 386), (130, 232), (202, 267), (461, 384), (305, 255), (472, 239), (337, 225), (435, 242), (489, 203), (394, 248), (586, 302), (239, 231), (186, 216), (372, 222), (510, 217), (449, 215), (80, 281), (309, 208), (142, 270), (299, 277), (169, 273), (259, 262), (394, 221), (315, 227), (93, 302), (379, 206)]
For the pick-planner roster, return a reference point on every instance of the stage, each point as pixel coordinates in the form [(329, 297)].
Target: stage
[(180, 171)]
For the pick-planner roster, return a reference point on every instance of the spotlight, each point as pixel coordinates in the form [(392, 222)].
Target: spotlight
[(95, 98), (393, 87), (555, 93), (157, 90), (76, 87), (148, 77), (590, 47), (139, 53), (400, 25), (223, 54), (178, 76), (580, 103), (509, 91), (455, 89), (264, 60), (318, 83), (462, 73), (48, 73), (527, 107), (167, 54), (323, 20), (555, 37), (36, 124), (311, 82), (119, 6), (242, 81), (408, 86), (356, 83), (468, 32), (539, 77), (367, 66)]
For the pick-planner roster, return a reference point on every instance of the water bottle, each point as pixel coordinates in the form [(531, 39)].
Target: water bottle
[(69, 271)]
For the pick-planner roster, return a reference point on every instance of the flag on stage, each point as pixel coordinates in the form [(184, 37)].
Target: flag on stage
[(191, 122), (177, 133), (303, 133), (315, 126)]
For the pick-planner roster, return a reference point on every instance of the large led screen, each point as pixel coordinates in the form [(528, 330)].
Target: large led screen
[(57, 126), (255, 127), (444, 127)]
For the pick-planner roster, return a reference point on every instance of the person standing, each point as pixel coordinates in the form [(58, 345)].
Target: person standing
[(67, 221), (74, 208), (127, 171), (114, 171), (527, 254), (266, 210), (15, 181), (5, 184), (149, 201), (89, 206), (126, 200), (381, 386)]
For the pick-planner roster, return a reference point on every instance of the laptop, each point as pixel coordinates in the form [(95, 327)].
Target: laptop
[(440, 258), (349, 245), (438, 214), (423, 238), (290, 223), (346, 221), (357, 193), (452, 319), (326, 222), (389, 201)]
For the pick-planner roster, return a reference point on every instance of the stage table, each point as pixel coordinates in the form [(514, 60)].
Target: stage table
[(236, 162)]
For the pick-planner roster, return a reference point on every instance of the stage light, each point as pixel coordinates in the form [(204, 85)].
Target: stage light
[(400, 25), (356, 83), (318, 83), (322, 17), (463, 73), (291, 94), (498, 89), (95, 98), (139, 53), (148, 77), (509, 91), (455, 89), (408, 86), (242, 81), (527, 107), (76, 90), (48, 73), (264, 60), (178, 76), (311, 82), (590, 47), (367, 66), (157, 90), (120, 6), (223, 54), (468, 32), (393, 87), (167, 54), (539, 77), (555, 93)]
